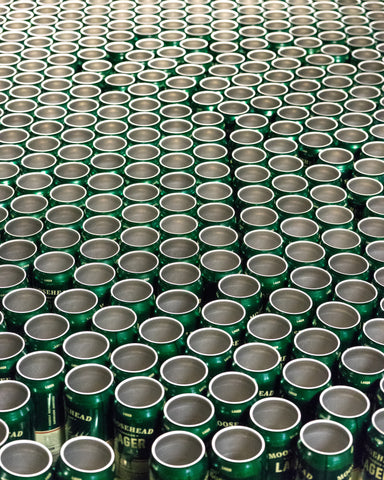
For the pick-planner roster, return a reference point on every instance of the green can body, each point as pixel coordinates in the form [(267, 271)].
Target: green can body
[(18, 418), (317, 464), (89, 414), (136, 428), (8, 362), (228, 463), (51, 284), (193, 470), (280, 443)]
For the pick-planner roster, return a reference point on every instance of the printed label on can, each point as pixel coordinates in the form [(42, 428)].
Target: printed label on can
[(307, 473), (279, 464), (373, 465), (132, 449), (52, 439)]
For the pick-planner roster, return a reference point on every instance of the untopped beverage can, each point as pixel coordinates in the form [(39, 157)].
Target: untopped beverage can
[(137, 420)]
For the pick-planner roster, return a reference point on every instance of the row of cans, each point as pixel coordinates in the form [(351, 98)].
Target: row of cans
[(225, 134), (335, 444)]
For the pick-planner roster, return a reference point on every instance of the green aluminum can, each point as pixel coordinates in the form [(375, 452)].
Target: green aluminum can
[(233, 394), (137, 421), (11, 350), (293, 304), (16, 409), (192, 413), (61, 240), (34, 461), (77, 305), (164, 334), (53, 273), (318, 343), (360, 294), (315, 281), (84, 347), (117, 323), (278, 421), (134, 294), (213, 346), (373, 456), (244, 289), (270, 270), (138, 264), (22, 304), (178, 455), (46, 331), (371, 334), (350, 407), (302, 382), (362, 368), (238, 452), (85, 458), (181, 305), (12, 277), (341, 319), (43, 373), (88, 393), (180, 275), (272, 329), (98, 277), (325, 450), (262, 362), (134, 360), (227, 315), (184, 374)]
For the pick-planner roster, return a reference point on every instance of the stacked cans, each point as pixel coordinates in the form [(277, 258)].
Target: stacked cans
[(192, 239)]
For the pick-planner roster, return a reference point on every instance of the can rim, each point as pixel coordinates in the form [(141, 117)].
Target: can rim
[(16, 336), (185, 357), (93, 439), (23, 403), (264, 346), (82, 367), (142, 346), (240, 428), (334, 388), (366, 348), (328, 422), (134, 380), (190, 395), (29, 442), (175, 433), (27, 357), (280, 400), (236, 374), (307, 360), (157, 320)]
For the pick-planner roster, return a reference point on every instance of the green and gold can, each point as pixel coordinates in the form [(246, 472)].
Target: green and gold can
[(137, 420), (238, 452), (278, 421), (325, 450), (88, 397), (34, 461), (178, 455), (85, 457), (192, 413)]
